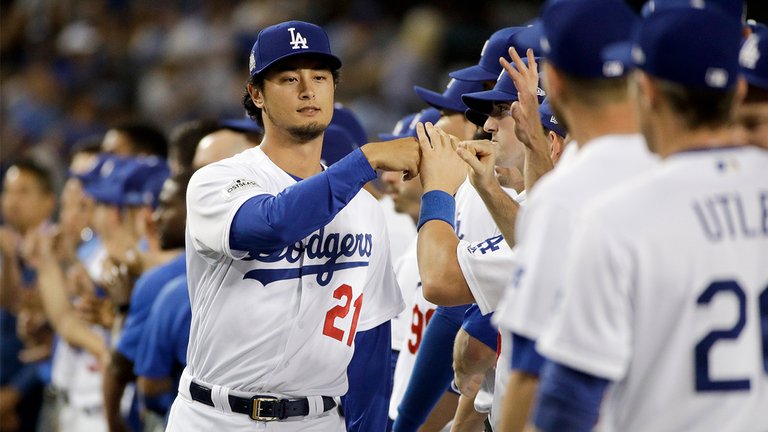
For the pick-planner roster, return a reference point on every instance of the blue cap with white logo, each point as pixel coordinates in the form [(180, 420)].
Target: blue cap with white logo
[(753, 58), (288, 39), (503, 91), (488, 68), (574, 34), (406, 126), (548, 119), (450, 99), (129, 181), (696, 48)]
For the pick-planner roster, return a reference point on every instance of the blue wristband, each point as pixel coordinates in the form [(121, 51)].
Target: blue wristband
[(438, 205)]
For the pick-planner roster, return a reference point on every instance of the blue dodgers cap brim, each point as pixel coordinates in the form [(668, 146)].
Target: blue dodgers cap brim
[(437, 100), (450, 99), (474, 73), (488, 67), (290, 39), (482, 102)]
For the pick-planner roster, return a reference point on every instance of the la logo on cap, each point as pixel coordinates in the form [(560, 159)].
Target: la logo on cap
[(297, 41)]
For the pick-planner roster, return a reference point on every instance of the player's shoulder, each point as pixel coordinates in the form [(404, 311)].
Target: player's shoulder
[(173, 294), (247, 162)]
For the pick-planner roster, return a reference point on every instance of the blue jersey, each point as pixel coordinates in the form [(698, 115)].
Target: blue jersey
[(144, 293), (162, 350), (479, 327)]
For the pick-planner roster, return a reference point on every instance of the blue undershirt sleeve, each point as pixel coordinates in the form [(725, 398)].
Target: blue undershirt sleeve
[(524, 355), (366, 404), (271, 222), (568, 400)]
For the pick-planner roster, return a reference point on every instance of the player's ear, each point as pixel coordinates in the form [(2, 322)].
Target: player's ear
[(556, 145), (257, 96)]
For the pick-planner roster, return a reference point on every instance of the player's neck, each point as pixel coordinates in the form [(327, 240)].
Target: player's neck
[(586, 124), (301, 159), (670, 137)]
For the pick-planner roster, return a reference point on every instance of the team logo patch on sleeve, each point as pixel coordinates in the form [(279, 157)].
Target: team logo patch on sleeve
[(237, 186)]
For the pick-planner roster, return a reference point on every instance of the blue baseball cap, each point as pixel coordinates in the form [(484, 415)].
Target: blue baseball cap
[(575, 33), (696, 48), (244, 124), (504, 91), (406, 126), (753, 58), (548, 119), (288, 39), (450, 99), (337, 143), (346, 119), (126, 181), (488, 68), (733, 8)]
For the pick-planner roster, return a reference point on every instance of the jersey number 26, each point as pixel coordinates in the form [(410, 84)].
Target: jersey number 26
[(704, 383)]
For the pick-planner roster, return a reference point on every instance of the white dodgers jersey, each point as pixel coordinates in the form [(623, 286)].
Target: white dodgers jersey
[(544, 230), (281, 322), (667, 296)]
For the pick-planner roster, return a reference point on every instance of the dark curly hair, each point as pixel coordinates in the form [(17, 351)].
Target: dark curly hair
[(251, 109)]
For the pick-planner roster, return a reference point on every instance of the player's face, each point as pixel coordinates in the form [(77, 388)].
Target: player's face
[(76, 208), (752, 124), (501, 125), (454, 123), (170, 216), (297, 97), (405, 194), (25, 204)]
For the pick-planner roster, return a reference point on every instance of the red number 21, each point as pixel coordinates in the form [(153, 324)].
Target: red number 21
[(338, 311)]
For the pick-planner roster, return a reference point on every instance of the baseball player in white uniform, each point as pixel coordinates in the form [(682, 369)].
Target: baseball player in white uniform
[(590, 96), (666, 294), (287, 260)]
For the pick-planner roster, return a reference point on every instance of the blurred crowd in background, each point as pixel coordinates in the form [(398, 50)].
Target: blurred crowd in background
[(70, 69)]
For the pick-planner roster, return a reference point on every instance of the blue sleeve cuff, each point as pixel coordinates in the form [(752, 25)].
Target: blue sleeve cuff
[(524, 355), (568, 399), (437, 205)]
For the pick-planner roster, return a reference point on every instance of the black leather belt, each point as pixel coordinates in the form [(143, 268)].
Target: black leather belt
[(261, 408)]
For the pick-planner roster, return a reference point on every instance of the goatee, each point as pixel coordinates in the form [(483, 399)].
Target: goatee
[(308, 132)]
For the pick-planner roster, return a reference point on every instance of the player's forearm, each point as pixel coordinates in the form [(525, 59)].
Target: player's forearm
[(471, 356), (503, 209), (441, 277), (537, 161), (62, 315), (267, 222), (466, 418), (518, 401), (115, 378)]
